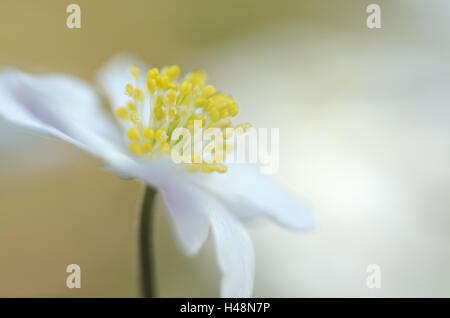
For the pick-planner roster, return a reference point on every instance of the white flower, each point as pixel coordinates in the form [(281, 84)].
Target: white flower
[(133, 145)]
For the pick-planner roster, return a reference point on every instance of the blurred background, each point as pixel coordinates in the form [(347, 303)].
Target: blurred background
[(364, 120)]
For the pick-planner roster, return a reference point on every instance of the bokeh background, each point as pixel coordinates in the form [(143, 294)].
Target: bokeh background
[(364, 119)]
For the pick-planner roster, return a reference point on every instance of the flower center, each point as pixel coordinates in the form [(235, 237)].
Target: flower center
[(162, 104)]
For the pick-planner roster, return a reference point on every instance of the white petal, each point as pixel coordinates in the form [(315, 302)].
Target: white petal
[(189, 219), (13, 110), (234, 254), (115, 74), (185, 203), (192, 209), (62, 106), (247, 193)]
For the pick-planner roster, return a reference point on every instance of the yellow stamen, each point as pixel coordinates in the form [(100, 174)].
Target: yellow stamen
[(165, 148), (149, 133), (185, 88), (122, 112), (165, 103), (172, 112), (138, 94), (137, 149), (153, 73), (221, 168), (131, 106), (135, 71), (134, 117), (172, 71), (151, 85), (160, 135), (129, 89), (208, 91), (207, 168), (198, 78), (133, 134), (147, 147)]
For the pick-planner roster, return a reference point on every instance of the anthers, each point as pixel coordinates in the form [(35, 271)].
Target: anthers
[(163, 102)]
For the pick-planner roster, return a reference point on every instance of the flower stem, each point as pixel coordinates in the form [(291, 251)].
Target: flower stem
[(146, 243)]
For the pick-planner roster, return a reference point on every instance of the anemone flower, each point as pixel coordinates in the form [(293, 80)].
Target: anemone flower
[(134, 140)]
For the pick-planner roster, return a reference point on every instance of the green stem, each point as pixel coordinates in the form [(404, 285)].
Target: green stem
[(146, 243)]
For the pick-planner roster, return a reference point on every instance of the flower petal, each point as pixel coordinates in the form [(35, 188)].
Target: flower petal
[(234, 254), (185, 205), (192, 209), (13, 110), (187, 212), (247, 193), (62, 106), (115, 74)]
